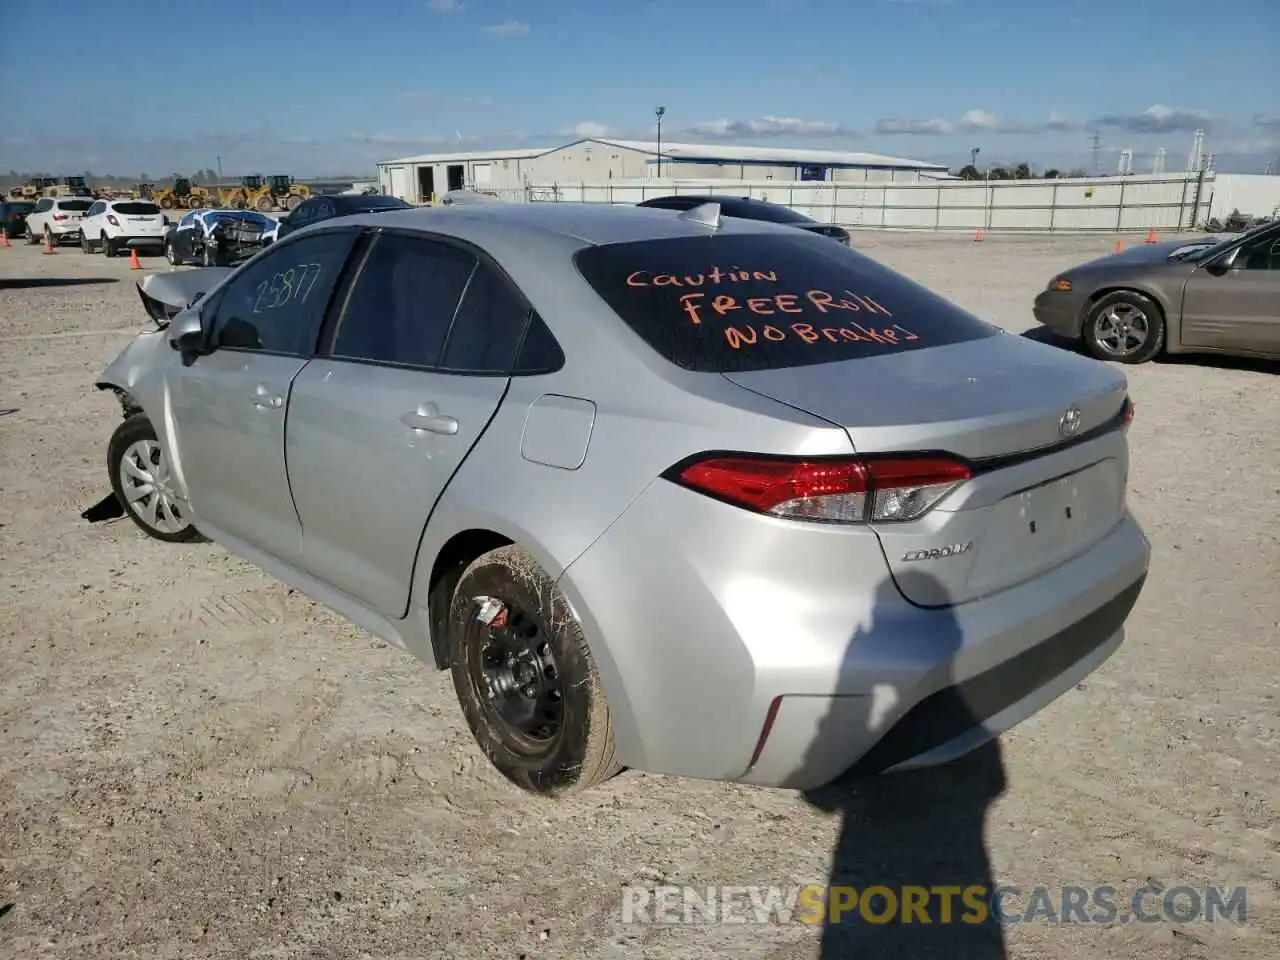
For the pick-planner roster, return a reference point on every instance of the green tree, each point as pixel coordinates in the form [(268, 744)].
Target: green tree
[(969, 172), (1052, 173), (999, 173), (1022, 172)]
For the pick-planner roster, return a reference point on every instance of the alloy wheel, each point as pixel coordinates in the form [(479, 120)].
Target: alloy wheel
[(1122, 329)]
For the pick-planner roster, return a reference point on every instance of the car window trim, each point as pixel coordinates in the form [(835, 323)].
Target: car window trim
[(482, 257), (309, 351)]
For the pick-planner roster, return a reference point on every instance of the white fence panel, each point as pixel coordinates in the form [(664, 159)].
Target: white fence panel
[(1170, 202)]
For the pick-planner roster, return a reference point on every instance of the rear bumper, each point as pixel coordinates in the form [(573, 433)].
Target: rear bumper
[(63, 231), (705, 621), (1063, 313), (156, 243)]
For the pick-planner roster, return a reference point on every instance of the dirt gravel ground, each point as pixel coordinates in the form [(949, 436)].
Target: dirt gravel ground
[(196, 762)]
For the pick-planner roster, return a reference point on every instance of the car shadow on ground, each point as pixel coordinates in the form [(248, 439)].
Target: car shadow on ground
[(1214, 360), (28, 283), (917, 829)]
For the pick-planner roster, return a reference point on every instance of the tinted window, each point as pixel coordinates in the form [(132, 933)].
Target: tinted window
[(136, 209), (540, 353), (486, 333), (276, 304), (78, 205), (403, 302), (21, 207), (306, 210), (732, 303), (370, 203), (758, 210), (45, 204)]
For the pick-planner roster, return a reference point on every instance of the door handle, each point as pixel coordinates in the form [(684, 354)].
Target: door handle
[(261, 398), (429, 417)]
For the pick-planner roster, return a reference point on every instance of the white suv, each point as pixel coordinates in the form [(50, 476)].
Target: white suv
[(56, 219), (112, 225)]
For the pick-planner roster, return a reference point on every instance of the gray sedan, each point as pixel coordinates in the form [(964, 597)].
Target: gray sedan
[(1175, 297), (702, 496)]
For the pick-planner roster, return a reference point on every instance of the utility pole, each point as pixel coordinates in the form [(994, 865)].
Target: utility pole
[(219, 159), (1096, 139), (658, 112)]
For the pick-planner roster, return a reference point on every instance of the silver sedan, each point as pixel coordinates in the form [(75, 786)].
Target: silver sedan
[(696, 495)]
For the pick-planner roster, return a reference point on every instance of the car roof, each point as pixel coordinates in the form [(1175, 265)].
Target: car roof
[(588, 224)]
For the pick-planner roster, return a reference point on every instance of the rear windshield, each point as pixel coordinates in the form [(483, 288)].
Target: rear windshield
[(730, 303), (74, 204), (136, 209)]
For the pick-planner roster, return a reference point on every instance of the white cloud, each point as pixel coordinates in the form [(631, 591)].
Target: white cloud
[(509, 28), (1159, 119), (979, 120), (768, 127), (893, 125), (1266, 120), (588, 129)]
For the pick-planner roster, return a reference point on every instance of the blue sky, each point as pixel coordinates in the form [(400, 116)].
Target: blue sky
[(328, 87)]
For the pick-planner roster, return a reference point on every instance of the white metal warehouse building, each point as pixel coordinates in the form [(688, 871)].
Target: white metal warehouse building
[(600, 160)]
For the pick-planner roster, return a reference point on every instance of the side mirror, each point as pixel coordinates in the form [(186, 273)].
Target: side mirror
[(187, 337), (1220, 265)]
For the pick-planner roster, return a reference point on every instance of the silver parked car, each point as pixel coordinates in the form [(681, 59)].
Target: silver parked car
[(1221, 296), (702, 496)]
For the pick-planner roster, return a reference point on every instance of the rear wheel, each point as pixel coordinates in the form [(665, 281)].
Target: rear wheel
[(292, 203), (266, 204), (85, 245), (142, 482), (108, 246), (166, 202), (1124, 326), (170, 254), (527, 684)]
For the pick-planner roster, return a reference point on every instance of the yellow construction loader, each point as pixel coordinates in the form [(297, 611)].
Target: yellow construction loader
[(183, 195), (265, 194)]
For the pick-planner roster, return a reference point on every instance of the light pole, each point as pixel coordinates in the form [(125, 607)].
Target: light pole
[(973, 157), (658, 112)]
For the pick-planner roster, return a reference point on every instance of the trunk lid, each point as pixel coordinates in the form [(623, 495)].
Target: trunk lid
[(1040, 494)]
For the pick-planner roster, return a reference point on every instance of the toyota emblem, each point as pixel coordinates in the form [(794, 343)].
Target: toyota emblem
[(1069, 425)]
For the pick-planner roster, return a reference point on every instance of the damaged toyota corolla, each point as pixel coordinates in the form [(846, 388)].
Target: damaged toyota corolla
[(672, 491)]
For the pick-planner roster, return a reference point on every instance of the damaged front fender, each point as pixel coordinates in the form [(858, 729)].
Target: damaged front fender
[(165, 295)]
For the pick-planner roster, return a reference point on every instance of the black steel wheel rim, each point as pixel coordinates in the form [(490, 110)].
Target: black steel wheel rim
[(512, 666)]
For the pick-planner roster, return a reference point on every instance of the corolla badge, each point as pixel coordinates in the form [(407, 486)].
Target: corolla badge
[(1069, 425), (938, 553)]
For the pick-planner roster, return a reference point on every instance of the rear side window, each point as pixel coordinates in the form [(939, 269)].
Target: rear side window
[(136, 209), (487, 330), (77, 205), (721, 304), (403, 302)]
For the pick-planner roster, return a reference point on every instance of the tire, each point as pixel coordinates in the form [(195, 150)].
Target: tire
[(32, 239), (170, 254), (266, 204), (209, 257), (293, 202), (134, 441), (48, 238), (108, 246), (535, 617), (1125, 327), (85, 245)]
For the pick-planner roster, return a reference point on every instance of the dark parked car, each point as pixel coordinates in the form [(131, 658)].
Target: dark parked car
[(13, 217), (217, 238), (746, 208), (1174, 297), (320, 208)]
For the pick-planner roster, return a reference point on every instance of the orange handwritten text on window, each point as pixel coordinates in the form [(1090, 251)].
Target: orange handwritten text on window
[(713, 277)]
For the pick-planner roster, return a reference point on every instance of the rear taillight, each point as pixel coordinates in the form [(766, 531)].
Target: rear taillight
[(111, 219), (1128, 411), (59, 216), (892, 489)]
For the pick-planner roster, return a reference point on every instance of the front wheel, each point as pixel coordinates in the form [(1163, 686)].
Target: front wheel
[(527, 684), (170, 254), (143, 483), (1124, 326)]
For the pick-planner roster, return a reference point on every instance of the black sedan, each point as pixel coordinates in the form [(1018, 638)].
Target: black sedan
[(315, 209), (747, 208)]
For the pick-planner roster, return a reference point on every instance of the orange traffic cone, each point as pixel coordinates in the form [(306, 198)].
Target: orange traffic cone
[(1151, 236), (1119, 245), (977, 237), (4, 238), (48, 244), (134, 262)]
